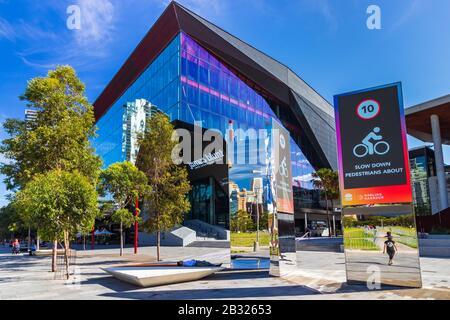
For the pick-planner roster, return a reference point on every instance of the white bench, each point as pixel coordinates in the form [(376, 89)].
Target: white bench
[(151, 276)]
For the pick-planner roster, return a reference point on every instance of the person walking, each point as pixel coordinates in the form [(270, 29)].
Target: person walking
[(16, 246), (390, 248)]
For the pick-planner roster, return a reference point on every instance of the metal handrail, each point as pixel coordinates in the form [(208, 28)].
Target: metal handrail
[(304, 236)]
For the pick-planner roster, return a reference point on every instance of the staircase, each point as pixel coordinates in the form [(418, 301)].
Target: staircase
[(435, 246), (206, 231), (218, 244), (324, 244)]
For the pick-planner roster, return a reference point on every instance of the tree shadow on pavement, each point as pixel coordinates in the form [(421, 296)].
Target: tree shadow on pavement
[(215, 293), (127, 291), (358, 287)]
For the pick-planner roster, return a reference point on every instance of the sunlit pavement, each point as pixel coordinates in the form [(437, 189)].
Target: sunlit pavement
[(320, 275)]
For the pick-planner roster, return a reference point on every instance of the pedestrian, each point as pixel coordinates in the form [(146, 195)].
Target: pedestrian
[(16, 246), (390, 248)]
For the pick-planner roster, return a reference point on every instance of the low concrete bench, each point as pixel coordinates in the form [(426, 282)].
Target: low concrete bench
[(157, 275)]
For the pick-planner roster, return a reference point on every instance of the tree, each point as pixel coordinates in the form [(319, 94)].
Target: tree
[(57, 139), (60, 204), (10, 222), (125, 183), (327, 180), (59, 136), (166, 202), (242, 222), (264, 220)]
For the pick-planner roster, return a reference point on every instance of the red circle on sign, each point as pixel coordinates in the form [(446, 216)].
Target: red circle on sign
[(379, 109)]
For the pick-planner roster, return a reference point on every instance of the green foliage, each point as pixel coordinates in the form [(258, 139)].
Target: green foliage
[(263, 220), (359, 239), (404, 235), (440, 230), (58, 202), (10, 222), (124, 182), (124, 217), (168, 204), (406, 221), (242, 222), (166, 201), (247, 239), (58, 138), (328, 181), (155, 147)]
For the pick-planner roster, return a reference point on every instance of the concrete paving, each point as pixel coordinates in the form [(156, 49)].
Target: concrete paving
[(320, 275)]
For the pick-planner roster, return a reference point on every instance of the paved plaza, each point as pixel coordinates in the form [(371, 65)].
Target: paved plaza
[(320, 275)]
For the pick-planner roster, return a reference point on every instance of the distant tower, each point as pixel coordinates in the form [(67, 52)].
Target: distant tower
[(134, 120), (30, 115), (257, 188)]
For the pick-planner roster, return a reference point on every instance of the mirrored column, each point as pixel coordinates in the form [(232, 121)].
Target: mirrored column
[(381, 246)]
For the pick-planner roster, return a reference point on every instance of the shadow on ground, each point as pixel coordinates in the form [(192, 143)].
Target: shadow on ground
[(126, 291), (219, 293)]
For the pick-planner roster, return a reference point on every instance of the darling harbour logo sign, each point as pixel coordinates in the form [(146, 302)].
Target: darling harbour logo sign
[(198, 148), (207, 160)]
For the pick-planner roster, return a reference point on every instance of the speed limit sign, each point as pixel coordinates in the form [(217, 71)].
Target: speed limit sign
[(368, 109)]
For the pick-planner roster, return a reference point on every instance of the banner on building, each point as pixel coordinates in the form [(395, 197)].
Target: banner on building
[(281, 151), (372, 147)]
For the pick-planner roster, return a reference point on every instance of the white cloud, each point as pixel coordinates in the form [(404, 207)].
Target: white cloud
[(201, 7), (76, 47), (6, 30), (3, 158), (408, 13), (23, 30), (33, 32), (304, 178), (322, 8), (99, 30), (97, 23)]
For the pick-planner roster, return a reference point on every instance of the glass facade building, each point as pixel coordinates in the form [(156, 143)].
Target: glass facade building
[(198, 75), (159, 84), (188, 83), (423, 170)]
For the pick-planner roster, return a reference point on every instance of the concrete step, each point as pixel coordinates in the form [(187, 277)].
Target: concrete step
[(438, 236), (220, 244), (335, 248), (441, 252), (200, 238), (435, 247), (319, 244), (438, 242)]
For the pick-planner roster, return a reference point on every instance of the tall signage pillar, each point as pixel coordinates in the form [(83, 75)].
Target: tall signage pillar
[(280, 202), (380, 236)]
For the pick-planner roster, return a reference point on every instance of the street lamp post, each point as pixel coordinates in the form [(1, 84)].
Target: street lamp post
[(136, 228), (256, 245), (93, 237)]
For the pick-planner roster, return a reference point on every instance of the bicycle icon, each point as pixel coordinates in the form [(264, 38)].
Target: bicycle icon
[(367, 147), (283, 169)]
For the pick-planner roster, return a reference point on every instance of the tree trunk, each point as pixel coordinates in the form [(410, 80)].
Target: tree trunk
[(29, 239), (121, 239), (334, 219), (66, 253), (328, 215), (54, 254), (158, 245)]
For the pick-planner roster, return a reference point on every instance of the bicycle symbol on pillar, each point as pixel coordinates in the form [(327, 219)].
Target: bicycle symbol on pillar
[(367, 147), (283, 169)]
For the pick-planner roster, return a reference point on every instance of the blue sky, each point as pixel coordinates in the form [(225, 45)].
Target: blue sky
[(326, 42)]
